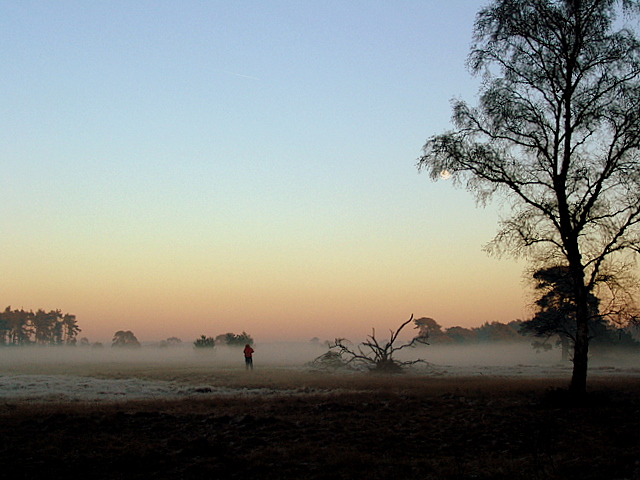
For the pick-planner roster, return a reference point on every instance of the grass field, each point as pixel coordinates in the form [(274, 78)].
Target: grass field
[(286, 422)]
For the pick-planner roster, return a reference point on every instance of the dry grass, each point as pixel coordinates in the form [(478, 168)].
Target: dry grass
[(334, 427)]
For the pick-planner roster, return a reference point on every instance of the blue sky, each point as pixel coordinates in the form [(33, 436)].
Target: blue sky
[(178, 168)]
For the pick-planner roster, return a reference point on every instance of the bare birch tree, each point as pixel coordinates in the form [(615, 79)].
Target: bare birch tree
[(556, 133)]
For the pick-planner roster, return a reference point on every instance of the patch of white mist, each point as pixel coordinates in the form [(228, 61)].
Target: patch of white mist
[(60, 374), (518, 359), (269, 354)]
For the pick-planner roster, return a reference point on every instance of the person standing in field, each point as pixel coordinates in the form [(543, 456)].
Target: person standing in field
[(248, 359)]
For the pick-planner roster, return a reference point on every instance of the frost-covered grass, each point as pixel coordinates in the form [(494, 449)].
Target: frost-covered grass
[(111, 375)]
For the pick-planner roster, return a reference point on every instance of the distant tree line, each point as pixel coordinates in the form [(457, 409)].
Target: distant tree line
[(604, 335), (170, 342), (488, 332), (229, 339), (21, 327)]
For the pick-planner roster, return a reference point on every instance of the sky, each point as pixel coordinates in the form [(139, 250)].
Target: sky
[(179, 168)]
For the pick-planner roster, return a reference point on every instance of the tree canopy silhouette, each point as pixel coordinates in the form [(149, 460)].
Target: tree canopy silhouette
[(556, 133), (125, 339), (556, 306), (204, 342), (235, 340), (19, 327)]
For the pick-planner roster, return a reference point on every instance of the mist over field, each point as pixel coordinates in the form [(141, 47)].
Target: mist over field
[(120, 374), (292, 355), (289, 354)]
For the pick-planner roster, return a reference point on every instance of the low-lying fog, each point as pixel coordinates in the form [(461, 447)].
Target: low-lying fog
[(108, 374), (291, 354)]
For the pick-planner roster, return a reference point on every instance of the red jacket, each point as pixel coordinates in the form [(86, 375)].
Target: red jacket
[(248, 351)]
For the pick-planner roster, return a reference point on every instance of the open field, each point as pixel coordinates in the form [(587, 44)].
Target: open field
[(186, 416)]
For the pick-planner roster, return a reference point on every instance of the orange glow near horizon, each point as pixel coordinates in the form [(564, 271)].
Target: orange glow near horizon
[(292, 303), (147, 189)]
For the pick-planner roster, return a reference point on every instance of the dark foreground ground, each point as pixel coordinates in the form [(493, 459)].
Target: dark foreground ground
[(455, 429)]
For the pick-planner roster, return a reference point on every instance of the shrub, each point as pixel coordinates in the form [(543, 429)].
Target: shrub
[(204, 342)]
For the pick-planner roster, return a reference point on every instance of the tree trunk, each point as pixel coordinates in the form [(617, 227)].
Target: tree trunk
[(578, 384), (581, 349)]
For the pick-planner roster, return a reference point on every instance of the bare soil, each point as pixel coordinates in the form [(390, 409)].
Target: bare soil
[(336, 427)]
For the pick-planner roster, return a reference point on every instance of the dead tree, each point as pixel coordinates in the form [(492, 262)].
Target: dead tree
[(376, 356)]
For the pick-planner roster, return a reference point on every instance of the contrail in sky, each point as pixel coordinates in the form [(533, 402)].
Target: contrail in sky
[(239, 75)]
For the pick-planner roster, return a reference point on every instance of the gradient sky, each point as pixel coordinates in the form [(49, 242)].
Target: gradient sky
[(179, 168)]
